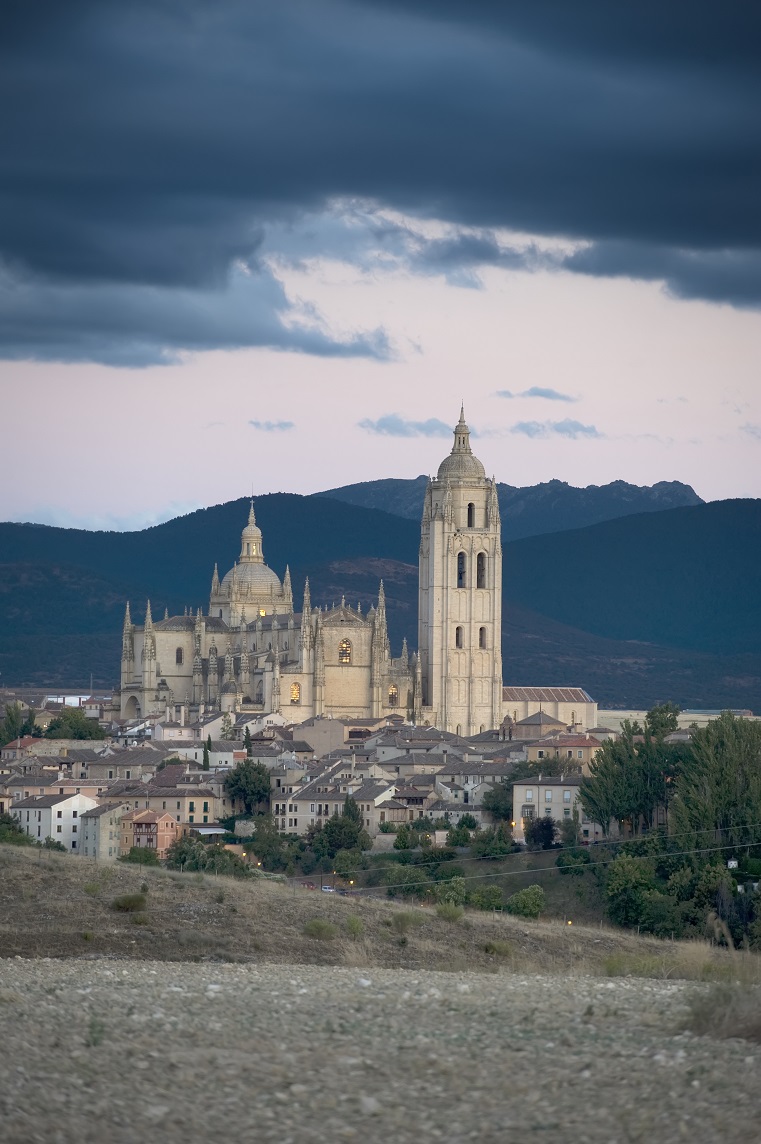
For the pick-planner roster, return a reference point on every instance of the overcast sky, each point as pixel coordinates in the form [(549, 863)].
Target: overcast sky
[(247, 245)]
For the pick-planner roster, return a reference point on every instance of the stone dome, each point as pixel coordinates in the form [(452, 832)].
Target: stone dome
[(461, 464), (461, 467), (253, 574)]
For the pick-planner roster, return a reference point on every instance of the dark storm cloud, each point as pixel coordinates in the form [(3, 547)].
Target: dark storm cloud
[(155, 145)]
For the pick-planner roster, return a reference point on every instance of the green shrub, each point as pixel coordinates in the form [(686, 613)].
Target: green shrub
[(573, 861), (404, 921), (129, 903), (486, 898), (450, 912), (527, 903), (320, 929), (141, 856), (452, 892), (355, 927), (11, 832)]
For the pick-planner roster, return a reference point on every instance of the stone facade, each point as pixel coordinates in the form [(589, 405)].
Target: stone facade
[(460, 595), (252, 654)]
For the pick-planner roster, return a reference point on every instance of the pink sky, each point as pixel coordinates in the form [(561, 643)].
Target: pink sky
[(670, 387)]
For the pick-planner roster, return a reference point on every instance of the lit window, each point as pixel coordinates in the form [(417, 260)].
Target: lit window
[(393, 695), (344, 651), (295, 693)]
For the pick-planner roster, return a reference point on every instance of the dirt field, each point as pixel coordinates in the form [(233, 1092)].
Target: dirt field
[(211, 1013), (121, 1052)]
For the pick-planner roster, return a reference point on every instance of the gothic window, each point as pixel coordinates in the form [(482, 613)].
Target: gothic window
[(393, 695), (458, 637), (471, 516), (344, 651), (481, 570), (295, 693), (178, 656), (462, 580), (260, 691), (482, 637)]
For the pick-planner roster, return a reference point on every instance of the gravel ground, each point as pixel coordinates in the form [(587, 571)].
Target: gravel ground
[(115, 1051)]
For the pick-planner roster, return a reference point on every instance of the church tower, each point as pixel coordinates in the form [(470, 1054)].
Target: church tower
[(460, 594)]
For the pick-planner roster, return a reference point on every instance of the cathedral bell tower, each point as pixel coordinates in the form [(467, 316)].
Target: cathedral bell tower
[(460, 594)]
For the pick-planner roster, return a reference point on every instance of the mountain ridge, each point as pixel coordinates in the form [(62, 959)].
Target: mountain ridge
[(653, 605), (531, 510)]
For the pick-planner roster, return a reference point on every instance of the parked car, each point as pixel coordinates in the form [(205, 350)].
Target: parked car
[(328, 889)]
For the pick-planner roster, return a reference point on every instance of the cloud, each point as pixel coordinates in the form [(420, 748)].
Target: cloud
[(123, 324), (392, 425), (627, 131), (566, 428), (272, 426), (537, 391), (752, 430)]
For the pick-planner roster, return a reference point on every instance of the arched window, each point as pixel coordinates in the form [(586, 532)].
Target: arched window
[(344, 651), (295, 693), (462, 579), (482, 637), (471, 515), (481, 570), (458, 637), (178, 656), (393, 695)]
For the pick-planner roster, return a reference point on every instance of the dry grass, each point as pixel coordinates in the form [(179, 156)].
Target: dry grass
[(58, 905), (726, 1010)]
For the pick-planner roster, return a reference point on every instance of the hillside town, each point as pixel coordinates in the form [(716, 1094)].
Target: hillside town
[(146, 784)]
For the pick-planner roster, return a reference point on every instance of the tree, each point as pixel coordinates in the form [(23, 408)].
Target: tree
[(249, 783), (351, 810), (248, 743), (12, 723), (340, 832), (627, 781), (717, 798), (499, 801), (493, 842), (72, 723), (569, 830), (527, 903), (662, 719), (629, 882), (468, 821), (540, 833), (205, 763), (141, 856), (12, 832), (227, 726)]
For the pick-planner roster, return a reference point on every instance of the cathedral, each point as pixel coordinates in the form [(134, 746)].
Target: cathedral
[(252, 652)]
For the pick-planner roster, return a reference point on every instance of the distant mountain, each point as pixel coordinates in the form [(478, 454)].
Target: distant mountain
[(652, 606), (553, 506)]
